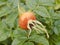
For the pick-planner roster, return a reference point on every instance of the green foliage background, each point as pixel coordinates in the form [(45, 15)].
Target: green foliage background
[(47, 12)]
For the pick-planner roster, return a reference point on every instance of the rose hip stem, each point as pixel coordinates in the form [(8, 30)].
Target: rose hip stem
[(20, 9)]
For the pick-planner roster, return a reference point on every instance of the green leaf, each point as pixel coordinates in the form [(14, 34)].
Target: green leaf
[(19, 41), (19, 33), (42, 11), (57, 27), (11, 18), (15, 42), (2, 3), (5, 11), (28, 43), (58, 43), (4, 32), (56, 16), (47, 2), (14, 3), (53, 14), (56, 31), (31, 3), (57, 23), (1, 26), (39, 39)]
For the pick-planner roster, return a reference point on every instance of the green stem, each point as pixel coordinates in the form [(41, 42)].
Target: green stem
[(21, 10)]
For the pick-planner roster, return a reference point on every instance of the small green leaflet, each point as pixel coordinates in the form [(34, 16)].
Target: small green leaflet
[(19, 41), (11, 18), (39, 39), (42, 11), (4, 31)]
